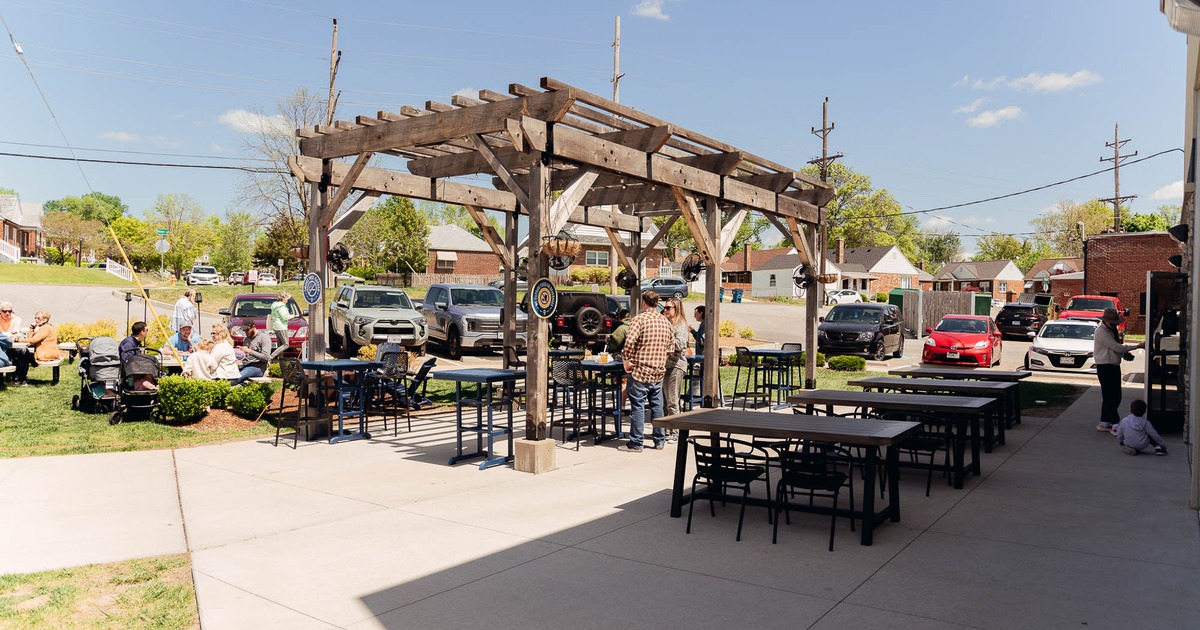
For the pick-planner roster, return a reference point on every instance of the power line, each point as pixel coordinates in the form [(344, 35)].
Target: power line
[(74, 158), (184, 155)]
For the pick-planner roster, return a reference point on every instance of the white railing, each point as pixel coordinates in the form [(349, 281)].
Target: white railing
[(10, 252), (118, 270)]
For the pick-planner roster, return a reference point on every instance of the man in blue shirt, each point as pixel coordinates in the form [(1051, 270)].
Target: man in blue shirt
[(184, 340), (132, 344)]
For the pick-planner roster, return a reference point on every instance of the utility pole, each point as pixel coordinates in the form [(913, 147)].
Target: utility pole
[(616, 81), (335, 58), (318, 234), (813, 299), (1116, 159)]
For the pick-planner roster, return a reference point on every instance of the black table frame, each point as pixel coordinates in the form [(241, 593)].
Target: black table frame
[(870, 434), (993, 427), (603, 379), (485, 382), (358, 389), (1012, 406)]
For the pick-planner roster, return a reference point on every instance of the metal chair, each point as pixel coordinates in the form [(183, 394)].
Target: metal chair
[(935, 435), (748, 389), (566, 388), (296, 380), (388, 390), (719, 466), (812, 468)]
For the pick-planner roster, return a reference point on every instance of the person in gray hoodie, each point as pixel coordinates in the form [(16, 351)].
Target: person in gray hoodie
[(258, 355)]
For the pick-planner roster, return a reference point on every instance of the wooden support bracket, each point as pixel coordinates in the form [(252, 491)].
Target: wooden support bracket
[(560, 211), (623, 253), (695, 221), (510, 180), (343, 191), (729, 232), (490, 235)]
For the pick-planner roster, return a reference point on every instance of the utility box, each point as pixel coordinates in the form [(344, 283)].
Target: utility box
[(983, 304), (896, 297)]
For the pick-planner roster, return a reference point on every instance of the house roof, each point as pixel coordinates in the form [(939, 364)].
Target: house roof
[(456, 239), (972, 270), (1045, 266), (868, 257), (737, 262), (20, 213), (592, 235), (924, 276)]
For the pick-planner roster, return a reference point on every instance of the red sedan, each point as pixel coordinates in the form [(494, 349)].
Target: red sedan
[(963, 339)]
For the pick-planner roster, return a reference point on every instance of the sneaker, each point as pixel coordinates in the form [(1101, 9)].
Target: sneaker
[(673, 437), (658, 446), (629, 448), (1158, 450), (1113, 429), (1104, 426)]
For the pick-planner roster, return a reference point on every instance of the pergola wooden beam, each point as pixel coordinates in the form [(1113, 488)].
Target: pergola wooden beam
[(490, 235), (623, 253), (344, 187), (696, 222)]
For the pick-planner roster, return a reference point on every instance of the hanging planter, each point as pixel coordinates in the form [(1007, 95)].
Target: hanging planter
[(561, 244)]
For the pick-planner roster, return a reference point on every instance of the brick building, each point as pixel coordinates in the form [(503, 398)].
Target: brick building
[(453, 250), (597, 249), (20, 229), (1116, 265)]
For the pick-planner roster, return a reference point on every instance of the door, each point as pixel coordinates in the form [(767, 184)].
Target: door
[(435, 317), (891, 328), (337, 314)]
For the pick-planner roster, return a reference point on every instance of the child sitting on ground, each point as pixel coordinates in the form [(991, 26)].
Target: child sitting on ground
[(1135, 433)]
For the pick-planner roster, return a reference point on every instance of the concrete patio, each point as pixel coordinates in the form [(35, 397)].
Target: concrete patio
[(1062, 530)]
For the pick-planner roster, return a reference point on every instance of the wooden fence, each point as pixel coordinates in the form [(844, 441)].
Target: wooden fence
[(923, 309), (428, 279)]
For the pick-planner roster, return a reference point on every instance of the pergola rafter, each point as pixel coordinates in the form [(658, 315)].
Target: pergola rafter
[(560, 155)]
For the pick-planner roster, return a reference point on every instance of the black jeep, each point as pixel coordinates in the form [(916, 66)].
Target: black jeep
[(582, 319)]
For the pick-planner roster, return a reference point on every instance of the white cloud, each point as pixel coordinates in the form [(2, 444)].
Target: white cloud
[(989, 84), (251, 122), (936, 224), (970, 107), (1054, 81), (966, 79), (120, 136), (993, 117), (468, 92), (1170, 192), (650, 9)]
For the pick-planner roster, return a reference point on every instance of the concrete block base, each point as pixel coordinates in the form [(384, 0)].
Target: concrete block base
[(533, 456)]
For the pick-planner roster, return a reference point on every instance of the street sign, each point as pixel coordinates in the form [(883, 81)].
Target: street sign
[(312, 288), (545, 298), (162, 231), (162, 246), (280, 262)]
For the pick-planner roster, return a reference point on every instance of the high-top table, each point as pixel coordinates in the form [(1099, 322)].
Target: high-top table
[(351, 396), (485, 396), (1012, 405), (604, 381), (957, 411), (993, 432), (777, 377), (871, 434)]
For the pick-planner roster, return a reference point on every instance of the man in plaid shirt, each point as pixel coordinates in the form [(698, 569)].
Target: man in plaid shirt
[(647, 344)]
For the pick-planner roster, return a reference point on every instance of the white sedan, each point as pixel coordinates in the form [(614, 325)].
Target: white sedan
[(1063, 344), (843, 296), (267, 280)]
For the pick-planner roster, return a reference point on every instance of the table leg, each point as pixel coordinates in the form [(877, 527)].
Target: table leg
[(680, 469), (1001, 418), (960, 443), (892, 470), (868, 501), (975, 440), (458, 421), (1015, 402)]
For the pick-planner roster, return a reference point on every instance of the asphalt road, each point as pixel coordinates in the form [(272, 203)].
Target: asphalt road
[(82, 304)]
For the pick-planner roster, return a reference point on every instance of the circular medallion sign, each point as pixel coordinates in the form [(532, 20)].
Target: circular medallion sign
[(312, 288), (544, 298)]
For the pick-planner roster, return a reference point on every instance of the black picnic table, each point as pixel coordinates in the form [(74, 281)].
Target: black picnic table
[(993, 431), (1012, 405)]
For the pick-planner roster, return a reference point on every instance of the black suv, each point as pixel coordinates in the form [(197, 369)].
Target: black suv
[(1022, 319), (582, 319), (871, 329)]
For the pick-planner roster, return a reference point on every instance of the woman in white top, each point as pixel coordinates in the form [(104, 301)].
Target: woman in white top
[(222, 353), (185, 312)]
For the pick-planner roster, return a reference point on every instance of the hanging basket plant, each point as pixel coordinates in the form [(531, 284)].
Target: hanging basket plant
[(561, 244)]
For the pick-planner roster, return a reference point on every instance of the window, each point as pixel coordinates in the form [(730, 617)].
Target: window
[(1001, 286), (596, 258), (905, 282), (772, 280), (444, 266)]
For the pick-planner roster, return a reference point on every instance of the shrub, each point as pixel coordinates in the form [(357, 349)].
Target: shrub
[(102, 328), (274, 371), (820, 358), (365, 272), (727, 328), (70, 332), (367, 353), (746, 332), (881, 297), (579, 275), (249, 399), (597, 275), (864, 297), (848, 364), (182, 398), (217, 391)]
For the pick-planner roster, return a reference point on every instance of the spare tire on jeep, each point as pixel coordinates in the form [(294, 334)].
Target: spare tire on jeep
[(589, 321)]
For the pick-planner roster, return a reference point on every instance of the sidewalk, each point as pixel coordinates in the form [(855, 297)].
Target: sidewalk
[(1062, 530)]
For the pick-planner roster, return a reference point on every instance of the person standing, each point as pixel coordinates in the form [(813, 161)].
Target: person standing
[(185, 313), (698, 334), (277, 322), (616, 339), (1108, 351), (649, 341), (676, 362)]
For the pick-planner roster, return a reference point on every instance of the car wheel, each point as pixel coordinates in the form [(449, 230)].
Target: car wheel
[(880, 353), (588, 321), (1027, 362), (899, 349), (349, 348), (335, 340), (454, 344), (678, 295)]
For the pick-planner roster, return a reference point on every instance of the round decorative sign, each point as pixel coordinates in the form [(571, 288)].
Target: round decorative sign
[(545, 298), (312, 288)]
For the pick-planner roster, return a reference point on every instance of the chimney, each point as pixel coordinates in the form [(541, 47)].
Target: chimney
[(841, 250), (746, 257), (921, 265)]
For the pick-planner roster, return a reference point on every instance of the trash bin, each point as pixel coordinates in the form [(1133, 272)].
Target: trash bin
[(737, 296), (721, 295), (983, 303)]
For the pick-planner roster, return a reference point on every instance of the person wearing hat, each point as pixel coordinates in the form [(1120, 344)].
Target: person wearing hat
[(1108, 352)]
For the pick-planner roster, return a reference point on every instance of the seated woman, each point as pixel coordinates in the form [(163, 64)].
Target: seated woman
[(43, 345), (223, 354), (200, 363)]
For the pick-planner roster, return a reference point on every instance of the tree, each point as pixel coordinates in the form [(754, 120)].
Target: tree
[(234, 249), (189, 232), (71, 234), (1060, 227), (138, 239), (277, 242), (453, 214), (998, 247), (1160, 220), (1035, 251), (393, 235), (937, 249), (94, 206), (7, 191), (678, 238), (864, 216)]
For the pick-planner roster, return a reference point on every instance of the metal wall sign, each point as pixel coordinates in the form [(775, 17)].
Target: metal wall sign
[(312, 288), (544, 298)]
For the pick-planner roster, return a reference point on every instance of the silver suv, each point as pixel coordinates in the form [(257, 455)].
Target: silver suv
[(361, 315), (467, 316)]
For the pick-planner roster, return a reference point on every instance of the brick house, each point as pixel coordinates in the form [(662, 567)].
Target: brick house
[(20, 229), (597, 249), (736, 270), (1002, 278), (1064, 285), (1116, 264), (453, 250), (1037, 280), (872, 270)]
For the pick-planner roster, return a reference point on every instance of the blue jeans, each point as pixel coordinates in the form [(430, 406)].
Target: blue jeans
[(642, 395), (248, 372)]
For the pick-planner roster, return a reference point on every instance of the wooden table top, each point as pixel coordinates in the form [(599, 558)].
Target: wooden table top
[(969, 374), (892, 401), (934, 384), (784, 426)]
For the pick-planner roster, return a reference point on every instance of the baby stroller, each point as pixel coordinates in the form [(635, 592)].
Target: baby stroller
[(135, 370), (99, 371)]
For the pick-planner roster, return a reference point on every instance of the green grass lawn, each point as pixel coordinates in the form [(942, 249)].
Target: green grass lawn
[(143, 593), (53, 274)]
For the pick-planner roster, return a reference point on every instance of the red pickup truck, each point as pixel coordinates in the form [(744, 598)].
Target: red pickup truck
[(1092, 307)]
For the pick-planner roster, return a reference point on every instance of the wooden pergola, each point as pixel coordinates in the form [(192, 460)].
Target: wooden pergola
[(560, 155)]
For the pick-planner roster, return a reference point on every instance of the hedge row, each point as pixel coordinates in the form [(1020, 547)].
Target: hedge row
[(188, 398)]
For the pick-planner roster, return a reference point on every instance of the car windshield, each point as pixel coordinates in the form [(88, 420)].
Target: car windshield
[(382, 299), (477, 297), (261, 307), (853, 315), (1068, 331), (956, 325), (204, 270), (1090, 304), (1018, 310)]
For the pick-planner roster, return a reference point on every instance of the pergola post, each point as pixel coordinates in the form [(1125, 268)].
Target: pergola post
[(317, 233), (510, 284), (712, 312), (538, 336), (811, 304)]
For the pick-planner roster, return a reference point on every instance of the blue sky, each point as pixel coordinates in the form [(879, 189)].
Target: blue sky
[(940, 102)]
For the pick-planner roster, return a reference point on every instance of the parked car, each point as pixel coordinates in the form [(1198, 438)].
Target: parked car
[(255, 307), (871, 329), (522, 285), (843, 296), (583, 319), (467, 316), (1022, 319), (343, 278), (1092, 307), (237, 277), (366, 314), (203, 274), (1063, 344), (98, 265), (959, 339), (666, 286), (267, 280)]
